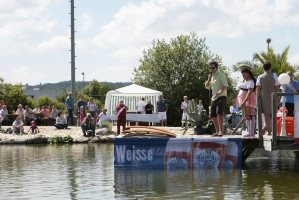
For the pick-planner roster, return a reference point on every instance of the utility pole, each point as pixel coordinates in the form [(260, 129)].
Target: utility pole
[(73, 68)]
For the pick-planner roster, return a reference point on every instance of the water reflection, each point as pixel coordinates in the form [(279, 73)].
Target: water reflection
[(177, 183), (85, 171), (56, 171)]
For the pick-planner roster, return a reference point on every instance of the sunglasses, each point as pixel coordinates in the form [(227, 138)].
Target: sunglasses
[(212, 67)]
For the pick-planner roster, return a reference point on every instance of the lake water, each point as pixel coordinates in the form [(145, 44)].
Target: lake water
[(85, 171)]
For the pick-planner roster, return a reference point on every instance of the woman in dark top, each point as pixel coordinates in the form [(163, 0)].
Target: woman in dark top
[(149, 109)]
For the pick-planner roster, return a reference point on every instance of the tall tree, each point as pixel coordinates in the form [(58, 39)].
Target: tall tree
[(279, 62), (14, 95), (177, 68)]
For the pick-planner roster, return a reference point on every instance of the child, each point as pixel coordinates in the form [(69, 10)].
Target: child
[(33, 128), (81, 116)]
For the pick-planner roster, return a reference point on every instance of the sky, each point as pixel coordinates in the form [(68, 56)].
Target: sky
[(110, 35)]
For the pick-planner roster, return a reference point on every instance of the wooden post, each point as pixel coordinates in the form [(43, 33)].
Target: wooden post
[(274, 127), (259, 118)]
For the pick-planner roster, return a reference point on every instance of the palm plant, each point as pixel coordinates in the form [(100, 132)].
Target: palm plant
[(279, 62), (197, 120)]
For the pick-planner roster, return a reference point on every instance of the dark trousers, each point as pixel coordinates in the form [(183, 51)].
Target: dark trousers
[(6, 122), (61, 126), (70, 116), (121, 121), (290, 107), (85, 128)]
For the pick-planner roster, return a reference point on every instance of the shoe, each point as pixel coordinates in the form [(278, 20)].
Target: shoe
[(249, 135)]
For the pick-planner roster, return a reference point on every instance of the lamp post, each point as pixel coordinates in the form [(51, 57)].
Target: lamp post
[(284, 80), (83, 75), (268, 41)]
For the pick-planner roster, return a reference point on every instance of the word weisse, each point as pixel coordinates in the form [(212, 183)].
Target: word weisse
[(124, 154)]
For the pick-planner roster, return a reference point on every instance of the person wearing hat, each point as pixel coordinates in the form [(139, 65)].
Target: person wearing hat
[(69, 103), (33, 128), (88, 124), (61, 122)]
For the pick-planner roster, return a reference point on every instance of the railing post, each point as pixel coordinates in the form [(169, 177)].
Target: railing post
[(274, 127), (259, 118)]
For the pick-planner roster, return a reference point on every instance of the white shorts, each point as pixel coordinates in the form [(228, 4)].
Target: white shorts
[(184, 117), (162, 115)]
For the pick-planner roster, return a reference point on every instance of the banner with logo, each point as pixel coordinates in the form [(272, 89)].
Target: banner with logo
[(178, 153)]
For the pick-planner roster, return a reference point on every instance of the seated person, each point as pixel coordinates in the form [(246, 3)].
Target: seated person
[(2, 104), (33, 128), (61, 122), (4, 113), (53, 115), (45, 113), (18, 125), (88, 125), (28, 115), (104, 119), (1, 121), (21, 111)]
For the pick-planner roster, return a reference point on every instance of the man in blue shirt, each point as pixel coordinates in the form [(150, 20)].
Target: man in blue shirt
[(293, 86), (234, 111), (69, 103), (162, 108)]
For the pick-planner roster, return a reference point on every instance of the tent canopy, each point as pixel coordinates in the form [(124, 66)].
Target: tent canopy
[(131, 94)]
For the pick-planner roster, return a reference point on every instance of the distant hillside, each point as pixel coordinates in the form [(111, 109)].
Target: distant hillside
[(67, 85)]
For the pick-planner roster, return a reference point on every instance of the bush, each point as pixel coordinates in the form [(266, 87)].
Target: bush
[(61, 139)]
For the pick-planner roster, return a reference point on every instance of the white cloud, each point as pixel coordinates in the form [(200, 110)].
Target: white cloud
[(294, 59), (138, 24), (54, 44), (21, 17), (87, 22), (25, 74)]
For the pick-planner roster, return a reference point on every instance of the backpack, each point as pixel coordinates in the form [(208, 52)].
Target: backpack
[(9, 130)]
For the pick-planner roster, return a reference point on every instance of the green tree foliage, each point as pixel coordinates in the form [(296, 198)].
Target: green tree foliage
[(178, 68), (279, 62), (13, 95), (48, 101), (98, 91)]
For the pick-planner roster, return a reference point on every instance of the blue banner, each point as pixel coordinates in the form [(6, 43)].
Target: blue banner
[(178, 153)]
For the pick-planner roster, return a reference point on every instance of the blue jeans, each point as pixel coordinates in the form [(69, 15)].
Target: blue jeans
[(234, 120), (70, 116), (85, 128), (60, 126)]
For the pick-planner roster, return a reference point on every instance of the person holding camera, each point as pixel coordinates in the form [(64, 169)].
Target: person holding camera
[(88, 125)]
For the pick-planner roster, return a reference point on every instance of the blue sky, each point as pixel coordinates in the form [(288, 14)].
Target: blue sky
[(34, 34)]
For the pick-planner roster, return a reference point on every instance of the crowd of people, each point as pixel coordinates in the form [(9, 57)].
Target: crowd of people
[(249, 88)]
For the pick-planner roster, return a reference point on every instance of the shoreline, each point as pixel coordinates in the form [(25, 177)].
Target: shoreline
[(48, 132)]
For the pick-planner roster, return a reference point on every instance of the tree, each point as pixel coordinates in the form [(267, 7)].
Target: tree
[(13, 95), (98, 91), (279, 62), (177, 68)]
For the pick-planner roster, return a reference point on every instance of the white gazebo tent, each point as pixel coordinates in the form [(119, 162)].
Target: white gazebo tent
[(130, 94)]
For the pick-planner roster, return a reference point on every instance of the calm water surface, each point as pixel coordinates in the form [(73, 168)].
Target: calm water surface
[(85, 171)]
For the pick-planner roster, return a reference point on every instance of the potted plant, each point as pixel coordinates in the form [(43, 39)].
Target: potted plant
[(197, 120)]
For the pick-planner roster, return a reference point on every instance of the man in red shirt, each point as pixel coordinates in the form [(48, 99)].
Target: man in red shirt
[(121, 116)]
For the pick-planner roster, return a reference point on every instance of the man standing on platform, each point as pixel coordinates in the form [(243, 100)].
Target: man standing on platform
[(293, 86), (234, 112), (141, 106), (121, 116), (161, 109), (149, 109), (70, 108), (217, 84)]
